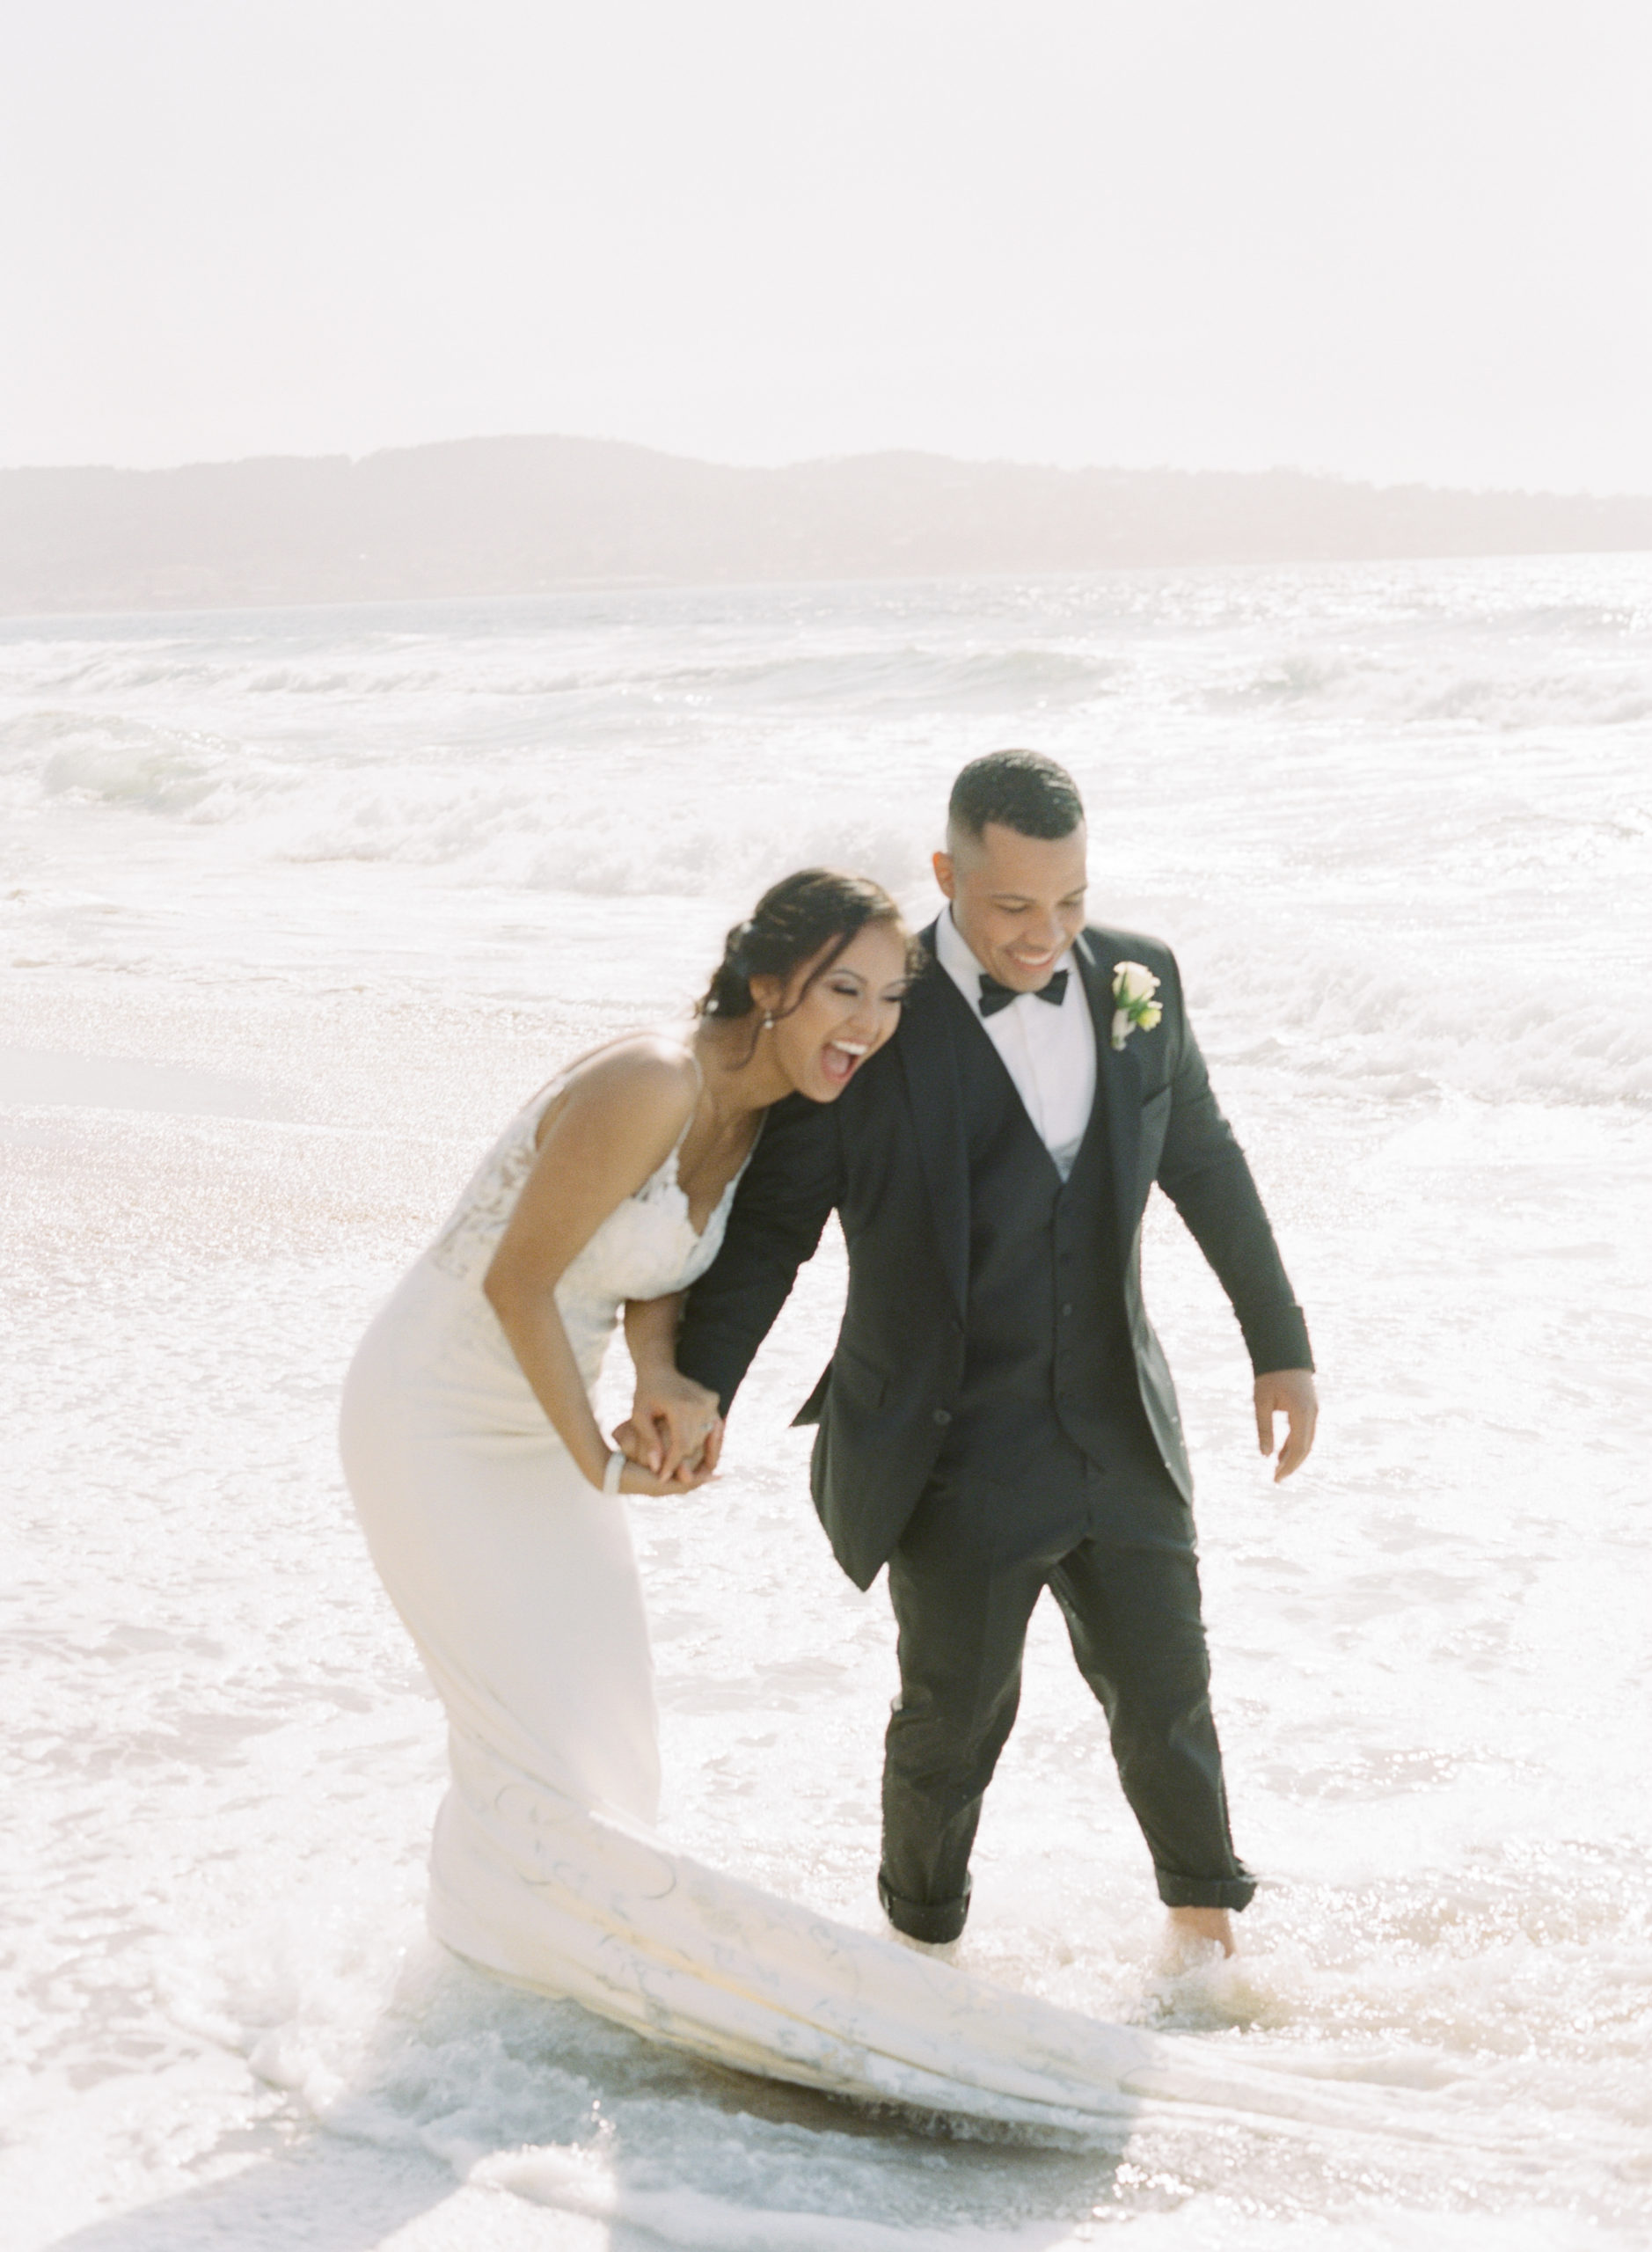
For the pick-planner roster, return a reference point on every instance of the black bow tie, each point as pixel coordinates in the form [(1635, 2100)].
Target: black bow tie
[(995, 997)]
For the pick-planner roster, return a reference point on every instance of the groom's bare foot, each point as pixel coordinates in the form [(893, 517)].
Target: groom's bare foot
[(944, 1950), (1188, 1926)]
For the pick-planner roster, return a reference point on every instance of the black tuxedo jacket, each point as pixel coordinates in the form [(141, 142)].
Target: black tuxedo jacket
[(889, 1157)]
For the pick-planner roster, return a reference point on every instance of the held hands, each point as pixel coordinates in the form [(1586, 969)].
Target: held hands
[(643, 1446), (637, 1478), (1289, 1393), (673, 1434)]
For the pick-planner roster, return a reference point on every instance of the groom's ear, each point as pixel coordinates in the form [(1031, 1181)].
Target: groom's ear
[(942, 864)]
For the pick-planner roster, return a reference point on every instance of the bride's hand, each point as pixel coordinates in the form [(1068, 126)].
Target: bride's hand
[(638, 1478), (673, 1421), (635, 1480), (692, 1471)]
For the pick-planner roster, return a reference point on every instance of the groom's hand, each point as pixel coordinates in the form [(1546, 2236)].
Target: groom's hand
[(1289, 1393), (646, 1453), (673, 1422)]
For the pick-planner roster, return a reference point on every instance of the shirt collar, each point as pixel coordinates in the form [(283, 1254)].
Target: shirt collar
[(958, 958), (954, 952)]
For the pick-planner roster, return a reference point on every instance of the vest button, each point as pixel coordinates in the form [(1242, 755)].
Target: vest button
[(1067, 1309), (941, 1416)]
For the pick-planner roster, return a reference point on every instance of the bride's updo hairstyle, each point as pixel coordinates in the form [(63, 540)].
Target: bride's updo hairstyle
[(791, 923)]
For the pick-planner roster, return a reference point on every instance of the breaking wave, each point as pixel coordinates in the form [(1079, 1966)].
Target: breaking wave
[(1395, 816)]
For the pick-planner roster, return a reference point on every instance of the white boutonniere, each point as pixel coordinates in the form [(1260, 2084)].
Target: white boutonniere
[(1135, 1009)]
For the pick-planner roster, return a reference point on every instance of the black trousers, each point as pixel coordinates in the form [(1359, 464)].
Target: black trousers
[(964, 1580)]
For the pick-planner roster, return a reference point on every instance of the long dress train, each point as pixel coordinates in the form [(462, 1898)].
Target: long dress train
[(518, 1583)]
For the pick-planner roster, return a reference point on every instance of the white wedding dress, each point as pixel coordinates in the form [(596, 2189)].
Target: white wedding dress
[(517, 1582)]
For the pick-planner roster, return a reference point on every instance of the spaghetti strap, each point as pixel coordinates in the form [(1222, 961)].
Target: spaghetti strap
[(699, 1089)]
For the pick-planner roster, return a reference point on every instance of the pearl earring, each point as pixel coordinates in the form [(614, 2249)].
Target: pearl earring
[(768, 1024)]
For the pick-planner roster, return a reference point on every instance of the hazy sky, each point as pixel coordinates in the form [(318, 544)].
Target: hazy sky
[(1400, 239)]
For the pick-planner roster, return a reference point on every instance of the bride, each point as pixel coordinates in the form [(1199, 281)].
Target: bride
[(491, 1506)]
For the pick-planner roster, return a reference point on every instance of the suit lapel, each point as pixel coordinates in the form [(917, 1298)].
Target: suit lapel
[(1118, 1079), (930, 1062)]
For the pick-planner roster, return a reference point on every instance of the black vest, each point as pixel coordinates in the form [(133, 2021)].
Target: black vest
[(1045, 1325)]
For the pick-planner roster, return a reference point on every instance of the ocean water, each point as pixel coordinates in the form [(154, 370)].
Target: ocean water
[(297, 906)]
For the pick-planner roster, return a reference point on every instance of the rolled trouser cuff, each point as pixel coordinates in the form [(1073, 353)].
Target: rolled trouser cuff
[(933, 1923), (1206, 1892)]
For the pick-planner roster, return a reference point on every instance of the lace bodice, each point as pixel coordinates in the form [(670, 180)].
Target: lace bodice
[(646, 1248)]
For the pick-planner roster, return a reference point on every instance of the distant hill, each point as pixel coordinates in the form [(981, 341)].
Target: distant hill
[(523, 516)]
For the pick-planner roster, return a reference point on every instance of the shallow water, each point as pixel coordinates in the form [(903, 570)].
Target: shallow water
[(298, 906)]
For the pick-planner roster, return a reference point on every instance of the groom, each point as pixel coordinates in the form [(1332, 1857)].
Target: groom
[(998, 1417)]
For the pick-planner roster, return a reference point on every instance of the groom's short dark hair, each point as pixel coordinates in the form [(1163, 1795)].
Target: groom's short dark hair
[(1020, 789)]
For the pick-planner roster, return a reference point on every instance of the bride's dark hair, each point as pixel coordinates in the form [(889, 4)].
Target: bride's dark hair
[(791, 923)]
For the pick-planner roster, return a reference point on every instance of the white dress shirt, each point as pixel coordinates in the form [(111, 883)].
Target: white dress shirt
[(1048, 1051)]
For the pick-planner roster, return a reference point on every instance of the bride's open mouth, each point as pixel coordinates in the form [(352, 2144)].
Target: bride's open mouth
[(838, 1059)]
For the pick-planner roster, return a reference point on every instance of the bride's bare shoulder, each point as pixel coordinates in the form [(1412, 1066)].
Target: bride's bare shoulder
[(643, 1081), (643, 1064)]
